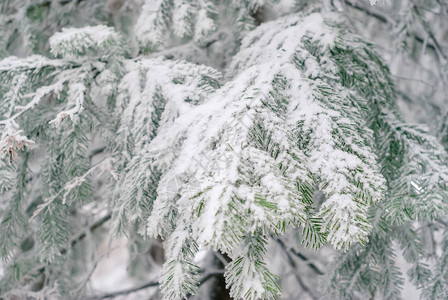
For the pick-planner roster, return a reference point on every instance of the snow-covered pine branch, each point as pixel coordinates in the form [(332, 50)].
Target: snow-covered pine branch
[(86, 41), (151, 96), (302, 137), (307, 91), (58, 90), (163, 22)]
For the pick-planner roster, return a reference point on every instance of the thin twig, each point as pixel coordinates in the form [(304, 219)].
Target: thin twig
[(430, 33), (221, 258), (207, 277), (301, 256), (92, 228), (383, 19), (125, 292), (96, 152), (92, 270)]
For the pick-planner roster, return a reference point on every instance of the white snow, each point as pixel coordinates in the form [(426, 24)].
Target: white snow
[(73, 41)]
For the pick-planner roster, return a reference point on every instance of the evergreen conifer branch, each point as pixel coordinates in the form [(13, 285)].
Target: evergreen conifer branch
[(302, 134)]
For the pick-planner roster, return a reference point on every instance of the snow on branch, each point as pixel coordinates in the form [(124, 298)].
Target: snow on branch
[(318, 115), (188, 19), (76, 96), (80, 41), (152, 95), (103, 166), (33, 63), (255, 150), (37, 96), (247, 275), (13, 140), (194, 20)]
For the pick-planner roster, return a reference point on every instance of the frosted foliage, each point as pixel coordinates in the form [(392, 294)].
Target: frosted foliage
[(76, 97), (176, 81), (151, 97), (36, 63), (164, 22), (182, 15), (319, 121), (255, 119), (288, 169), (13, 140), (274, 93), (78, 41), (189, 19), (151, 26), (257, 281)]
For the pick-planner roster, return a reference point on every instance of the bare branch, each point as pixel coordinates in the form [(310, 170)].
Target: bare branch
[(301, 256), (385, 20), (125, 292), (293, 265)]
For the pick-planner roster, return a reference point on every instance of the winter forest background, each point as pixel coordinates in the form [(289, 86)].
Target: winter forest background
[(223, 149)]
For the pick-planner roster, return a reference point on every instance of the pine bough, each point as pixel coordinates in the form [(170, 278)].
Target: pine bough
[(222, 163)]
